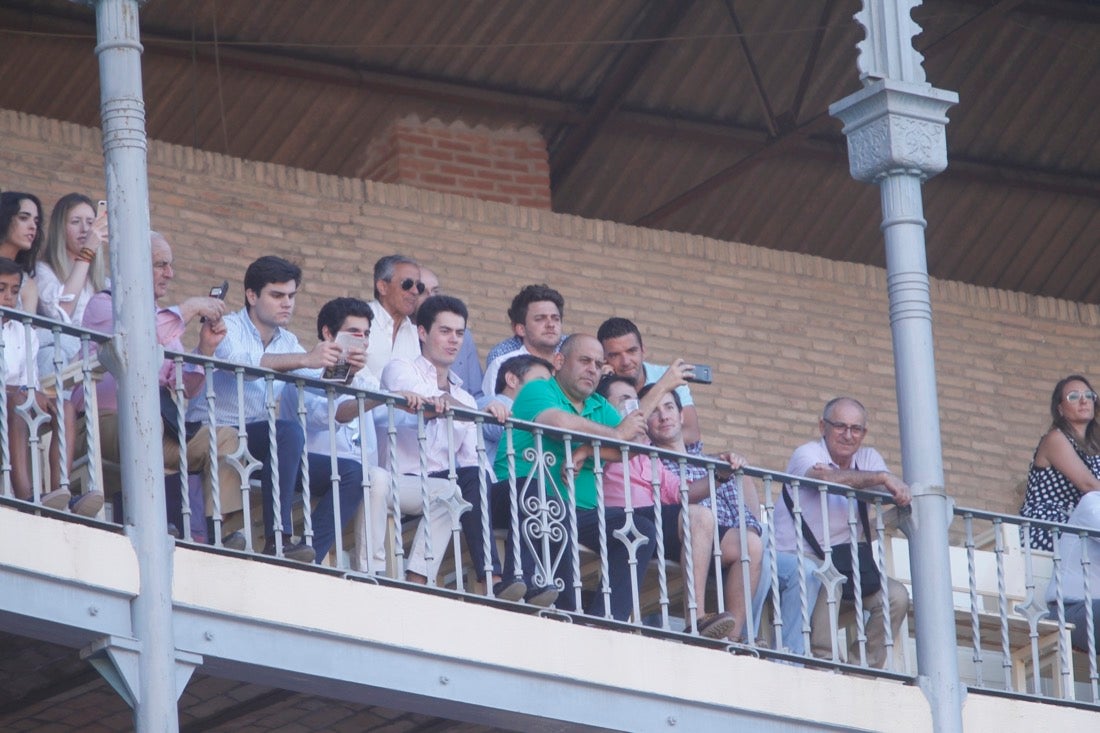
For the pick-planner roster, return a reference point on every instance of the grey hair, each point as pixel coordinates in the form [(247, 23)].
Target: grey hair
[(385, 266), (828, 411)]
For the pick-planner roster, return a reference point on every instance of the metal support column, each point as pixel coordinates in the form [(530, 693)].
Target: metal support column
[(152, 677), (895, 128)]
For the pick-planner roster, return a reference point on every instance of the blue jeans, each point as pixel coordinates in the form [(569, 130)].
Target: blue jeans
[(790, 597), (350, 473), (289, 441)]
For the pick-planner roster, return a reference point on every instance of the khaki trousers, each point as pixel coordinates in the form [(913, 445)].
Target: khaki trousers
[(198, 460), (821, 644)]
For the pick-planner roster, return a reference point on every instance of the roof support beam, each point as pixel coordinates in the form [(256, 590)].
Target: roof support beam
[(811, 62), (660, 19), (757, 82)]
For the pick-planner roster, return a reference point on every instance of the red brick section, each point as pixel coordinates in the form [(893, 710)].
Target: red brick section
[(509, 166), (783, 331)]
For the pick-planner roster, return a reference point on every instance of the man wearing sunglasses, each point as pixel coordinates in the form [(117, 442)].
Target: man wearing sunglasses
[(840, 458), (397, 289)]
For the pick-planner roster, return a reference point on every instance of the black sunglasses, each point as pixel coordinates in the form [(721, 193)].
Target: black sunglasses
[(408, 284)]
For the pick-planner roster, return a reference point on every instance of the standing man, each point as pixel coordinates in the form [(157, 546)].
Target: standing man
[(467, 366), (625, 355), (257, 336), (568, 402), (840, 458), (170, 326), (441, 323), (536, 314), (397, 289)]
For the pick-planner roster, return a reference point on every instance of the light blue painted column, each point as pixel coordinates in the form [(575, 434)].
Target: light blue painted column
[(145, 668), (895, 128)]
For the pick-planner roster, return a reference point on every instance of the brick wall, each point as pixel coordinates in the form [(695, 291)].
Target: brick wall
[(783, 331), (509, 166)]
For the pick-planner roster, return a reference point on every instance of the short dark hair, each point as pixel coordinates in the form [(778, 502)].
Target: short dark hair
[(385, 266), (9, 208), (649, 387), (533, 294), (336, 311), (519, 366), (9, 266), (607, 380), (437, 304), (614, 328), (270, 269)]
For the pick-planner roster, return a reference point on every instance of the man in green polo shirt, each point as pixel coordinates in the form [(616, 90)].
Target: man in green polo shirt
[(568, 402)]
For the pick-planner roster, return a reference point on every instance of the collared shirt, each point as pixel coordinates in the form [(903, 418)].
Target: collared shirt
[(244, 345), (509, 344), (383, 347), (50, 295), (653, 372), (804, 458), (641, 483), (726, 494), (489, 381), (19, 370), (533, 399), (421, 377), (170, 326), (468, 367), (493, 432), (317, 419)]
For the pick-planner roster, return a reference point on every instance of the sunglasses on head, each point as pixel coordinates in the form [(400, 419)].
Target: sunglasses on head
[(408, 284)]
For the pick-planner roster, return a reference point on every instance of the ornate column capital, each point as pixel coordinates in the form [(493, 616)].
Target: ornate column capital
[(895, 125)]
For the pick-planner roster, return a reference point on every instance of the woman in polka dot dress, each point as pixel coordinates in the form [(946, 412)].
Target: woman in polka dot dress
[(1067, 461)]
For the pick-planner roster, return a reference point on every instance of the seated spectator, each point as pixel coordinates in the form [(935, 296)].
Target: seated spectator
[(625, 356), (840, 458), (536, 313), (1085, 514), (21, 227), (349, 319), (257, 336), (72, 270), (170, 326), (664, 427), (619, 391), (467, 366), (512, 376), (21, 385), (568, 402), (441, 322), (1066, 464), (397, 290)]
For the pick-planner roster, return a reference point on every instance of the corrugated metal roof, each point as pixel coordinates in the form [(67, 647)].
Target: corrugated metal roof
[(649, 107)]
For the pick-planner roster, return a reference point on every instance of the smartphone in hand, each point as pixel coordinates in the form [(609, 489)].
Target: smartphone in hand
[(342, 370), (702, 374), (100, 209)]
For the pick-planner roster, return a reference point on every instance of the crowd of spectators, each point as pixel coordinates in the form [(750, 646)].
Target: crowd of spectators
[(467, 479)]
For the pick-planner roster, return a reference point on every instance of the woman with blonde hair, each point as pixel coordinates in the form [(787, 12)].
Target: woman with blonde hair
[(1066, 464), (72, 269)]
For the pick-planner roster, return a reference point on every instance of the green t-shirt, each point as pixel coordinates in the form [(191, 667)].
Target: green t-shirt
[(544, 394)]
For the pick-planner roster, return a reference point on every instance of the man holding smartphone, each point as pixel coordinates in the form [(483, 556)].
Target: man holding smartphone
[(257, 336), (625, 357)]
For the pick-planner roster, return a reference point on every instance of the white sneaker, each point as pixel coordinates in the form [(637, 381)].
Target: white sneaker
[(87, 504), (56, 499)]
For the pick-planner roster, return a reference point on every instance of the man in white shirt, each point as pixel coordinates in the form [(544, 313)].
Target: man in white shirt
[(441, 323), (536, 314), (397, 288), (840, 458)]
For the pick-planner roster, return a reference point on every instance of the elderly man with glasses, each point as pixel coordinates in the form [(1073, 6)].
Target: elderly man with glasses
[(838, 457), (397, 290)]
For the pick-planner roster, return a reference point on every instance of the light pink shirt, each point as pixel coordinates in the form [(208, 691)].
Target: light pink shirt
[(641, 483), (420, 377), (99, 316)]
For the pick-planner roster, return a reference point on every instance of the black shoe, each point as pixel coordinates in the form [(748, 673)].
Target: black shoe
[(509, 590), (299, 551), (542, 596)]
